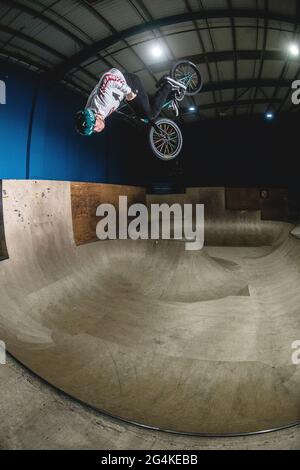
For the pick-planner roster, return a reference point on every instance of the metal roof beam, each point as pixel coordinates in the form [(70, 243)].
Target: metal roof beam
[(35, 14), (263, 52), (17, 57), (234, 45), (245, 83), (229, 104), (222, 56), (33, 41), (102, 44), (206, 61)]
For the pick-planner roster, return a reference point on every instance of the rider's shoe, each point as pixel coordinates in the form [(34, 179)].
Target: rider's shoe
[(176, 86), (174, 107)]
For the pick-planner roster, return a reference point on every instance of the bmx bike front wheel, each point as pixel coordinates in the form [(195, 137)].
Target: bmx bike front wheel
[(166, 139), (188, 74)]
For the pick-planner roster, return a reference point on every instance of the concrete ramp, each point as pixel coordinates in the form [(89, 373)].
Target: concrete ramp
[(193, 342)]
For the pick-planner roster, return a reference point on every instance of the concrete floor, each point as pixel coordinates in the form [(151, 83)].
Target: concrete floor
[(185, 341), (33, 416)]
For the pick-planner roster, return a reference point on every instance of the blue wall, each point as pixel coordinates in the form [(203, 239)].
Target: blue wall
[(57, 151), (14, 122), (38, 140), (246, 151)]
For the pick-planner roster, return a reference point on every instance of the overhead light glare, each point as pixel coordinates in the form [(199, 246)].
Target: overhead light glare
[(269, 116), (294, 50), (157, 51)]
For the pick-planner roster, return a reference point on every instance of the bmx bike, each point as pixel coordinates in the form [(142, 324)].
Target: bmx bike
[(165, 136)]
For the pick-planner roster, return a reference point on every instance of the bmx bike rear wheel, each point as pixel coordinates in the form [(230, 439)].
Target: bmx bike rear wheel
[(187, 73), (166, 139)]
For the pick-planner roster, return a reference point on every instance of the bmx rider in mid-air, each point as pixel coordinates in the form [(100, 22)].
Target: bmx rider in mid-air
[(113, 88)]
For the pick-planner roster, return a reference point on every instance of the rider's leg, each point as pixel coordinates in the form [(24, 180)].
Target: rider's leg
[(159, 99), (168, 87), (140, 104)]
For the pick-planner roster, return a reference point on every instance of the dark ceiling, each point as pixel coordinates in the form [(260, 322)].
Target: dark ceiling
[(241, 46)]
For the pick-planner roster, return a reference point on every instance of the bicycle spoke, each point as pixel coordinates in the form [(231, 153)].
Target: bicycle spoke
[(187, 75), (165, 140), (160, 146), (173, 147), (159, 140)]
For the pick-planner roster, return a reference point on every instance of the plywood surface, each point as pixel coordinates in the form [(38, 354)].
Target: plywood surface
[(86, 197)]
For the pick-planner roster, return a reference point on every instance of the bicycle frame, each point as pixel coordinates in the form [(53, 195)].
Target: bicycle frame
[(144, 120), (185, 79), (165, 137)]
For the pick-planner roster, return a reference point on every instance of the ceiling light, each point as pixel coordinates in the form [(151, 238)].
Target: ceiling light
[(192, 108), (269, 116), (294, 50), (157, 51)]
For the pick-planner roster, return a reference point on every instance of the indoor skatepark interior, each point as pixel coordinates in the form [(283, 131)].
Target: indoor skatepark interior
[(189, 342)]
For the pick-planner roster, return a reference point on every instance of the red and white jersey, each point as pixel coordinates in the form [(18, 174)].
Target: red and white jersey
[(108, 94)]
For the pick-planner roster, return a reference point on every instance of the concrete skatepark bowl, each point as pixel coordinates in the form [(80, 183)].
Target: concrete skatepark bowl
[(190, 342)]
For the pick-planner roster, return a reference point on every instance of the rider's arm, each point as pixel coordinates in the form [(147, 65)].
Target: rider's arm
[(123, 87), (131, 96), (111, 80)]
